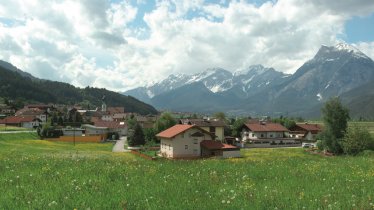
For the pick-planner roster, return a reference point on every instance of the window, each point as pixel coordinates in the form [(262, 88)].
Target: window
[(271, 135), (253, 135), (185, 146), (262, 135), (212, 129), (195, 141)]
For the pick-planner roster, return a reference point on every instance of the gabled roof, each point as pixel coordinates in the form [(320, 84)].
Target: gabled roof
[(30, 112), (216, 145), (308, 127), (178, 129), (115, 110), (266, 127), (203, 122), (173, 131), (17, 119)]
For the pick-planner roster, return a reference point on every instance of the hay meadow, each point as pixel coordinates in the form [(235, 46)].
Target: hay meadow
[(38, 174)]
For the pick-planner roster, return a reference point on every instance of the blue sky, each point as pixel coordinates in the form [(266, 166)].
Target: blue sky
[(360, 29), (122, 44)]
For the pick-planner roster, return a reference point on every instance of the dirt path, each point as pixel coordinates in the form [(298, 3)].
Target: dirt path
[(120, 145)]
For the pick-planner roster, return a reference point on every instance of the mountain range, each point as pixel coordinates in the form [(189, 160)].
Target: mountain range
[(21, 86), (340, 70)]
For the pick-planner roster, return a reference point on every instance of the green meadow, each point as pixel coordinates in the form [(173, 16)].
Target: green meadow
[(12, 128), (37, 174)]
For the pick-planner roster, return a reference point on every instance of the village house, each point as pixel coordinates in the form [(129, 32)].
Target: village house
[(120, 117), (44, 107), (266, 134), (215, 127), (91, 130), (113, 127), (191, 141), (305, 131), (146, 121), (7, 110), (21, 121), (33, 112)]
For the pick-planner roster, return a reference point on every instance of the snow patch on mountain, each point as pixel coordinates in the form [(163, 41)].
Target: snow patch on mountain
[(248, 80), (150, 94)]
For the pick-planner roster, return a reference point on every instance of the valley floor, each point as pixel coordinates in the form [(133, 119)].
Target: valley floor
[(37, 174)]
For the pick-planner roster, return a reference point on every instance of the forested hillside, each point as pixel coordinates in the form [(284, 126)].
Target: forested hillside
[(21, 88)]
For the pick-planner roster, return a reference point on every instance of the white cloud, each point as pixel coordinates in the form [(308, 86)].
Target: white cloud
[(98, 43), (367, 48)]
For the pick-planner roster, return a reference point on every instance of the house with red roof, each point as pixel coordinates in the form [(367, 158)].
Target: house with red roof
[(191, 141), (33, 112), (21, 121), (266, 134), (305, 131)]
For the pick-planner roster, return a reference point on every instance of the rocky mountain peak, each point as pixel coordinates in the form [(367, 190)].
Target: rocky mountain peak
[(339, 51)]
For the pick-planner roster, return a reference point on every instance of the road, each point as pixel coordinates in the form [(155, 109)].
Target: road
[(120, 145)]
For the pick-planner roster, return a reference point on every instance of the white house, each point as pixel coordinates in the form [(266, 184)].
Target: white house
[(305, 131), (188, 141), (20, 121), (266, 134)]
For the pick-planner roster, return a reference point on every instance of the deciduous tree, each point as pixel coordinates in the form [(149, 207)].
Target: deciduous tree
[(335, 118)]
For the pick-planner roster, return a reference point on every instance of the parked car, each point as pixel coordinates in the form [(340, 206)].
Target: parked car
[(307, 145)]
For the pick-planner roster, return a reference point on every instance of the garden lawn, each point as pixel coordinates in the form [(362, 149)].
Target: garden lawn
[(36, 174)]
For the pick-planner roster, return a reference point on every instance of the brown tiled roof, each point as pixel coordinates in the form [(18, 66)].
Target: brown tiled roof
[(29, 112), (173, 131), (203, 123), (114, 110), (17, 119), (119, 115), (308, 127), (216, 145), (109, 124), (266, 127)]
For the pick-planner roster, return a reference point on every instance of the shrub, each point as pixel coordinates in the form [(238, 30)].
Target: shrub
[(319, 145), (356, 140)]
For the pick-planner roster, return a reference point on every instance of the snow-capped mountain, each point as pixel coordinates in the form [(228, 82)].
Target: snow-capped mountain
[(217, 80), (333, 71)]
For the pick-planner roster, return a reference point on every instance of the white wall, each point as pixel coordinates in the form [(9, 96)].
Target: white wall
[(257, 135), (42, 117), (183, 145)]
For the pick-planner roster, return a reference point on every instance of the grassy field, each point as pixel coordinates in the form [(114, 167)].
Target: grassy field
[(36, 174), (12, 128), (367, 125)]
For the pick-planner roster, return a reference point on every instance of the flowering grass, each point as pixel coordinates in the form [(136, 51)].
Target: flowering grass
[(36, 174)]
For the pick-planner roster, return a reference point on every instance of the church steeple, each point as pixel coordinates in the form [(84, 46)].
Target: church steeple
[(103, 104)]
